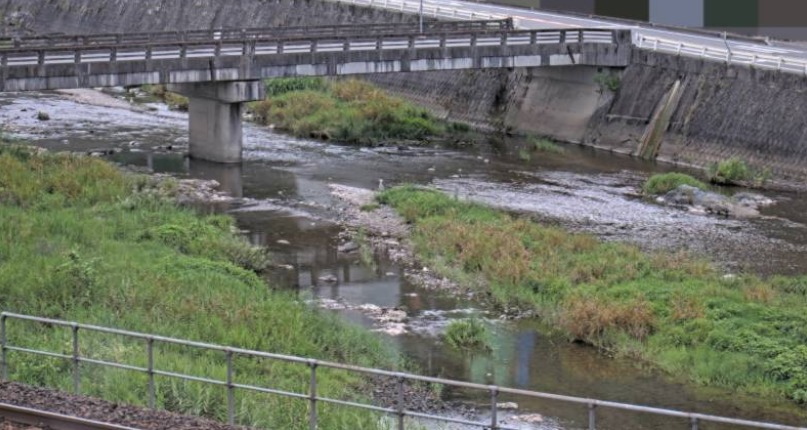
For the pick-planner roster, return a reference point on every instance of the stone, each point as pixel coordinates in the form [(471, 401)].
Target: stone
[(348, 247), (283, 242), (329, 279), (507, 405), (42, 116), (530, 418)]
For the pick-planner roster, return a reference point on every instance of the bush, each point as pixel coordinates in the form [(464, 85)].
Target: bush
[(545, 145), (730, 171), (666, 182), (468, 334)]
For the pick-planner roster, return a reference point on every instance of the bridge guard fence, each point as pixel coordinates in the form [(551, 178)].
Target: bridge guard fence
[(77, 359)]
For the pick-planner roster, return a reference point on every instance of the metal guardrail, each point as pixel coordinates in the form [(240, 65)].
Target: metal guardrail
[(771, 62), (88, 40), (252, 46), (312, 397)]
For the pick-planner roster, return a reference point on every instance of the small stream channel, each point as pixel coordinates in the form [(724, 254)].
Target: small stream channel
[(290, 211)]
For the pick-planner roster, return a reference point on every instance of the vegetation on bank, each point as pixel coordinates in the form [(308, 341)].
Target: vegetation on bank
[(81, 241), (349, 111), (669, 309), (736, 171), (663, 183)]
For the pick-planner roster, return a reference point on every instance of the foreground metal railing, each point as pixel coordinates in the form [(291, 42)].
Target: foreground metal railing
[(399, 411)]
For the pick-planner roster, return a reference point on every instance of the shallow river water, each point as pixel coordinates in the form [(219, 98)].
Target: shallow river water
[(290, 212)]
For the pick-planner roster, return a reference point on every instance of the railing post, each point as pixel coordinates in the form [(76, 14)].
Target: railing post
[(230, 388), (533, 37), (41, 58), (152, 388), (592, 416), (693, 423), (148, 53), (400, 405), (494, 408), (113, 55), (473, 39), (77, 56), (312, 397), (76, 363), (3, 339), (562, 37)]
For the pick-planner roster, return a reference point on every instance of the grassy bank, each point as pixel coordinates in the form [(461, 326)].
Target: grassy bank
[(671, 310), (81, 241), (350, 111)]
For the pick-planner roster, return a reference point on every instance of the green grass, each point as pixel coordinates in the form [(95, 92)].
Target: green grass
[(730, 171), (545, 145), (350, 111), (81, 241), (665, 182), (669, 309), (469, 334)]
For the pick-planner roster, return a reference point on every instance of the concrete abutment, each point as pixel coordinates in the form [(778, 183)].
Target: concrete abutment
[(215, 115)]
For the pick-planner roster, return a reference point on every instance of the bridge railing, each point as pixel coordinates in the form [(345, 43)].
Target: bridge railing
[(251, 33), (721, 54), (78, 358), (256, 46)]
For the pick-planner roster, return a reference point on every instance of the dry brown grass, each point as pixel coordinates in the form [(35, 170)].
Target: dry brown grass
[(686, 308), (589, 318)]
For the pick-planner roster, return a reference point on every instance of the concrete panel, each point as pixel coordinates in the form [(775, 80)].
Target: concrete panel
[(628, 9), (362, 67), (563, 60), (578, 6), (527, 61), (441, 64), (731, 13), (687, 13), (783, 13)]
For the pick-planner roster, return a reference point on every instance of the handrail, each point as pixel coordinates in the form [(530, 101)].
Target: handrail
[(399, 411), (252, 32), (778, 63)]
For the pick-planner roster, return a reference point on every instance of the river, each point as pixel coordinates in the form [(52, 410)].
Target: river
[(290, 211)]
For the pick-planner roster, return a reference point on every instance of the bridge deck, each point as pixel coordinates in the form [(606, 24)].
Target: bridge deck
[(257, 55)]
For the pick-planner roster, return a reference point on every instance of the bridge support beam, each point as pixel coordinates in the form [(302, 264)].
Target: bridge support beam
[(215, 112)]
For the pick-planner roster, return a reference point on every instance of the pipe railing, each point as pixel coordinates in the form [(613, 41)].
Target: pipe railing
[(591, 406), (249, 33), (668, 46), (256, 46), (726, 55)]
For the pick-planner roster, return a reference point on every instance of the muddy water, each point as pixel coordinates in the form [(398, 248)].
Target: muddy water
[(289, 210)]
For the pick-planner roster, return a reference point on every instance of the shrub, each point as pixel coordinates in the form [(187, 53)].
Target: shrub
[(730, 171), (607, 81), (666, 182), (468, 334), (545, 145)]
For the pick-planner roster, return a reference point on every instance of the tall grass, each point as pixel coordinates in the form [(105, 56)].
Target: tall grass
[(669, 309), (350, 111), (79, 242)]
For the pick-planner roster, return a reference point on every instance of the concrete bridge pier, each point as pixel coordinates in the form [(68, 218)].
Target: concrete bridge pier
[(215, 112)]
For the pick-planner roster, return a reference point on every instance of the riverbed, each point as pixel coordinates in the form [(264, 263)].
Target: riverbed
[(287, 206)]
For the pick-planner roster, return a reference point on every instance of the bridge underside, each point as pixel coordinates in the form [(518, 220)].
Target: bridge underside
[(219, 77)]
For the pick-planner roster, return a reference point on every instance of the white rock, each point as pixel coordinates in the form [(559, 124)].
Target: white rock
[(283, 242), (507, 405), (530, 418)]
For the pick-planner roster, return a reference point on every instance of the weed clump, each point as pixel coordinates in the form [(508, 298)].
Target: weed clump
[(468, 334), (666, 182)]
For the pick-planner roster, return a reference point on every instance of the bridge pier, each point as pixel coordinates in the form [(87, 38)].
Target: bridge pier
[(215, 112)]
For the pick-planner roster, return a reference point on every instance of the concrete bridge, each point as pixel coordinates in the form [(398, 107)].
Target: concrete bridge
[(220, 70)]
